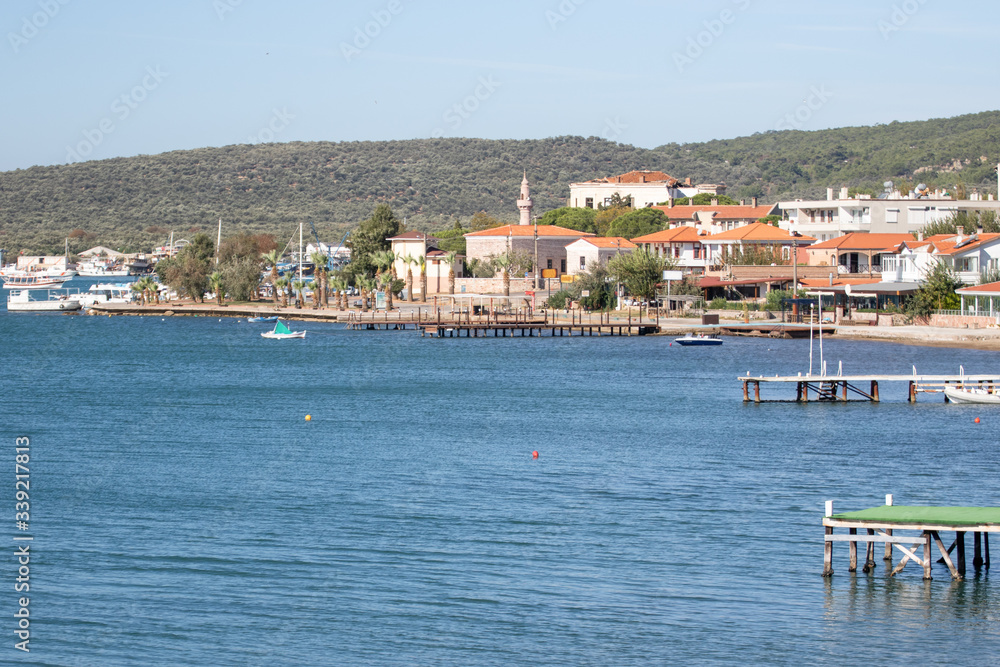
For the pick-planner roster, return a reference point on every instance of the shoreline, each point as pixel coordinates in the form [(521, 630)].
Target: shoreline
[(916, 335)]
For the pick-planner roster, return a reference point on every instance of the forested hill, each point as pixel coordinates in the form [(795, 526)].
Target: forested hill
[(134, 203)]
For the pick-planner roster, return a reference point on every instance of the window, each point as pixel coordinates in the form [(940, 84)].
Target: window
[(677, 251), (607, 201), (589, 201), (917, 216), (892, 215), (697, 251), (549, 266), (562, 266), (583, 262)]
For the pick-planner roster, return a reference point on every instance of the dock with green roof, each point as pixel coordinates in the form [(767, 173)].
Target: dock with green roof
[(881, 525)]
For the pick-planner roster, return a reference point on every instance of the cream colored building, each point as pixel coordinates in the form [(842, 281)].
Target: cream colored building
[(647, 188), (594, 250), (437, 267)]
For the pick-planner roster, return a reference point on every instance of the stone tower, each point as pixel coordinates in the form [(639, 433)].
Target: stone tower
[(524, 204)]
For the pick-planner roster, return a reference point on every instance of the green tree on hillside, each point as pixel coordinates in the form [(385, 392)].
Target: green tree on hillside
[(705, 199), (188, 271), (637, 223), (370, 237), (570, 217)]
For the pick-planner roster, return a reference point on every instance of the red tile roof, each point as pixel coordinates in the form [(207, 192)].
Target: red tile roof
[(529, 230), (861, 241), (643, 176), (681, 234), (954, 247), (758, 232), (609, 242), (825, 282), (722, 212), (990, 288)]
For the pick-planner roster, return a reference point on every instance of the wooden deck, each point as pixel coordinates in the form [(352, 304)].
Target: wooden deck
[(882, 523), (504, 330)]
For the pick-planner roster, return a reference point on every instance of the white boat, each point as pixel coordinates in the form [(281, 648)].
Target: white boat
[(281, 332), (32, 281), (700, 339), (54, 300), (98, 267), (107, 293), (970, 395)]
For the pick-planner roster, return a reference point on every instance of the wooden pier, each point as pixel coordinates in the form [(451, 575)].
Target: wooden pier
[(881, 525), (845, 388), (512, 329)]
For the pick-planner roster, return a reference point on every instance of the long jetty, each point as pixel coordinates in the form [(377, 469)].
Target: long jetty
[(844, 388), (882, 525)]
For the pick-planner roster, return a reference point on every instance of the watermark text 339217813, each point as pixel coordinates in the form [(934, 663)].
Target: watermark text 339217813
[(22, 541)]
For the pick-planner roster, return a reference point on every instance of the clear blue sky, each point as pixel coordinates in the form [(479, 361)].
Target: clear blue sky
[(86, 80)]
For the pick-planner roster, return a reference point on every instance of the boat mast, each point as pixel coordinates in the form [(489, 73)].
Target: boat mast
[(300, 252), (218, 243)]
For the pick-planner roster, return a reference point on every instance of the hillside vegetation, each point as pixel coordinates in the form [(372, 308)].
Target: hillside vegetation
[(134, 203)]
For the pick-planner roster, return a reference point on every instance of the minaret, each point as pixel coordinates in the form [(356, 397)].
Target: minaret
[(524, 204)]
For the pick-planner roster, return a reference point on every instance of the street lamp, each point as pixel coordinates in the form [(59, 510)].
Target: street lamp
[(537, 284)]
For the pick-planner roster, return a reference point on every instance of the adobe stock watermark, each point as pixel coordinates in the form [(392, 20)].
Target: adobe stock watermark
[(562, 13), (613, 129), (459, 112), (816, 100), (121, 108), (900, 16), (714, 29), (32, 25), (223, 7), (280, 119), (363, 37)]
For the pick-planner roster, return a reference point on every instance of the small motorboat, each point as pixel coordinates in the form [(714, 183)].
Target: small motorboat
[(281, 331), (700, 339), (970, 395), (261, 318)]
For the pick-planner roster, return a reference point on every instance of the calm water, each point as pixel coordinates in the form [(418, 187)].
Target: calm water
[(185, 513)]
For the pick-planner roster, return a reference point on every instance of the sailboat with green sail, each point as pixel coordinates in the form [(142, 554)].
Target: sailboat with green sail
[(281, 331)]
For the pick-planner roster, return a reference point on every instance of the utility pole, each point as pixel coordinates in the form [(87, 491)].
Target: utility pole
[(537, 284)]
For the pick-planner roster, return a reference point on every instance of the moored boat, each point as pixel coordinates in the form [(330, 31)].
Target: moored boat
[(32, 281), (971, 395), (700, 339), (281, 332), (31, 301), (262, 318)]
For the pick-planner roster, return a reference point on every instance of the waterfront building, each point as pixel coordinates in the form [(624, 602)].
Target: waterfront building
[(551, 241), (584, 252), (891, 213), (854, 252), (968, 256), (757, 234), (684, 245), (715, 218), (646, 188), (436, 266)]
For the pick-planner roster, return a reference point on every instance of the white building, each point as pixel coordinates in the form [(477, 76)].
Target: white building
[(594, 250), (966, 255), (419, 245), (646, 188), (684, 245), (831, 217)]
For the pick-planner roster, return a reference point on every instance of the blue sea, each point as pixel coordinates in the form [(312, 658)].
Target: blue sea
[(184, 512)]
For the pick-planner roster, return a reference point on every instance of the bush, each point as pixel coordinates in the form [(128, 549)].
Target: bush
[(558, 300)]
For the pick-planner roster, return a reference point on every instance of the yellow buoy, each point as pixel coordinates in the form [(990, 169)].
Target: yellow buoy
[(309, 418)]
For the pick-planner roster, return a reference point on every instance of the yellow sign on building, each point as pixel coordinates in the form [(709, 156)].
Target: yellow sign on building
[(548, 273)]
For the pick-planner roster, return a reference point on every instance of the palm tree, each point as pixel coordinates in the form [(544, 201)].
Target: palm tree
[(279, 286), (216, 283), (410, 261), (313, 287), (272, 259), (365, 285), (450, 258), (299, 286), (385, 261), (422, 263), (321, 262), (337, 285), (139, 287), (503, 263)]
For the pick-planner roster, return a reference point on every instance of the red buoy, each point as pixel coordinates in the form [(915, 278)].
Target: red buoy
[(534, 454), (977, 420)]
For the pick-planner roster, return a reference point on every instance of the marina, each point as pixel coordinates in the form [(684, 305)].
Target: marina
[(43, 300)]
